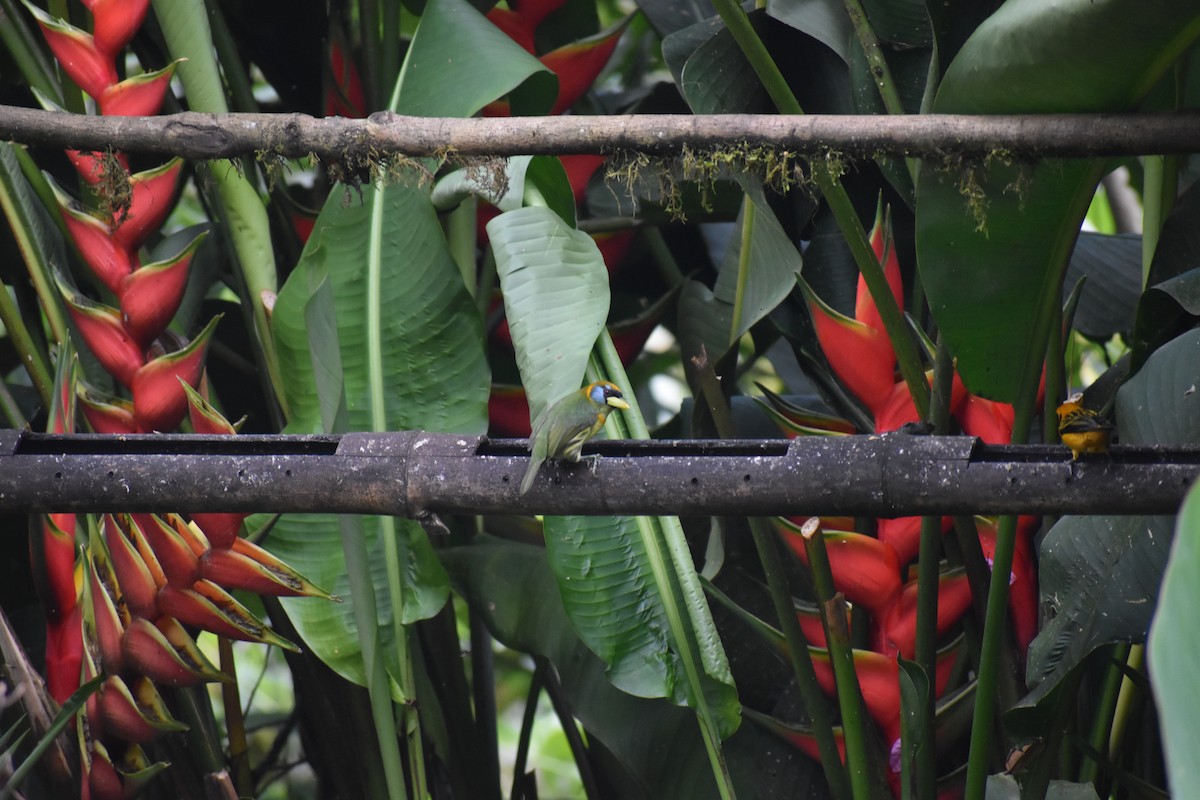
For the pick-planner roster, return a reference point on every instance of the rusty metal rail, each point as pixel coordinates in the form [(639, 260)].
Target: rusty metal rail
[(409, 472)]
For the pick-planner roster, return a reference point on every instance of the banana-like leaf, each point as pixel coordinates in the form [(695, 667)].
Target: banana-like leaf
[(993, 241)]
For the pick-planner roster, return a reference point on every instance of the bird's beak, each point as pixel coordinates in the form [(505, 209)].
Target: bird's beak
[(617, 402)]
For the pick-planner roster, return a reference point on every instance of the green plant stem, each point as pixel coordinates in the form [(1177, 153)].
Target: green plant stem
[(372, 60), (460, 238), (666, 547), (928, 583), (995, 632), (235, 721), (389, 44), (781, 95), (10, 409), (1126, 702), (1102, 714), (813, 697), (566, 719), (527, 719), (837, 635), (878, 66), (664, 259), (186, 31), (232, 67), (1161, 183), (743, 274), (362, 595)]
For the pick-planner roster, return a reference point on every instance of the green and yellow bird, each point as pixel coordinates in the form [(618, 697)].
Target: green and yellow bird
[(561, 430)]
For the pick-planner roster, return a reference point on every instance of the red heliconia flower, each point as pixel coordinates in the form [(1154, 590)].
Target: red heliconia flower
[(64, 654), (159, 403), (177, 547), (345, 97), (519, 23), (245, 565), (94, 240), (114, 22), (904, 535), (220, 528), (137, 569), (864, 569), (990, 421), (896, 631), (164, 652), (134, 713), (102, 331), (860, 356), (151, 294), (578, 64), (152, 192), (92, 167), (105, 413), (1022, 581), (858, 349), (580, 169), (878, 678), (91, 69), (139, 96)]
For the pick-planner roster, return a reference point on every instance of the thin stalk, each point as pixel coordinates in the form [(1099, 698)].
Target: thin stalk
[(1102, 714), (578, 749), (878, 66), (366, 619), (389, 43), (235, 721), (735, 19), (232, 67), (813, 697), (10, 409), (743, 273), (833, 614), (185, 28), (995, 633), (927, 582), (369, 19), (1127, 699), (527, 719), (664, 259), (1161, 185), (483, 693), (460, 238), (670, 559)]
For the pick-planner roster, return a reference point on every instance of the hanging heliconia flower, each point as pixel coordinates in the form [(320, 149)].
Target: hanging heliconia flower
[(118, 606)]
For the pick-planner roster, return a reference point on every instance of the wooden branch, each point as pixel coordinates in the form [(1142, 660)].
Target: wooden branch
[(205, 136)]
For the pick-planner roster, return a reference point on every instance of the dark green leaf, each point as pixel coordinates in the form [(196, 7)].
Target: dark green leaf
[(994, 275)]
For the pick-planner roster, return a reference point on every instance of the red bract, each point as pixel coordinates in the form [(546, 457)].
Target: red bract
[(93, 238), (158, 400), (91, 69), (151, 295), (577, 65), (152, 192), (139, 96), (864, 569), (1022, 581), (106, 414), (115, 22), (897, 628), (102, 331)]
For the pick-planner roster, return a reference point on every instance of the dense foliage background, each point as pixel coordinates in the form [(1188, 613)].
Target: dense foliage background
[(456, 295)]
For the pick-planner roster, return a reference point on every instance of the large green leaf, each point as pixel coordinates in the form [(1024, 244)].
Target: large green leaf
[(513, 589), (410, 340), (556, 298), (993, 276), (1175, 649), (459, 62), (1100, 575)]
